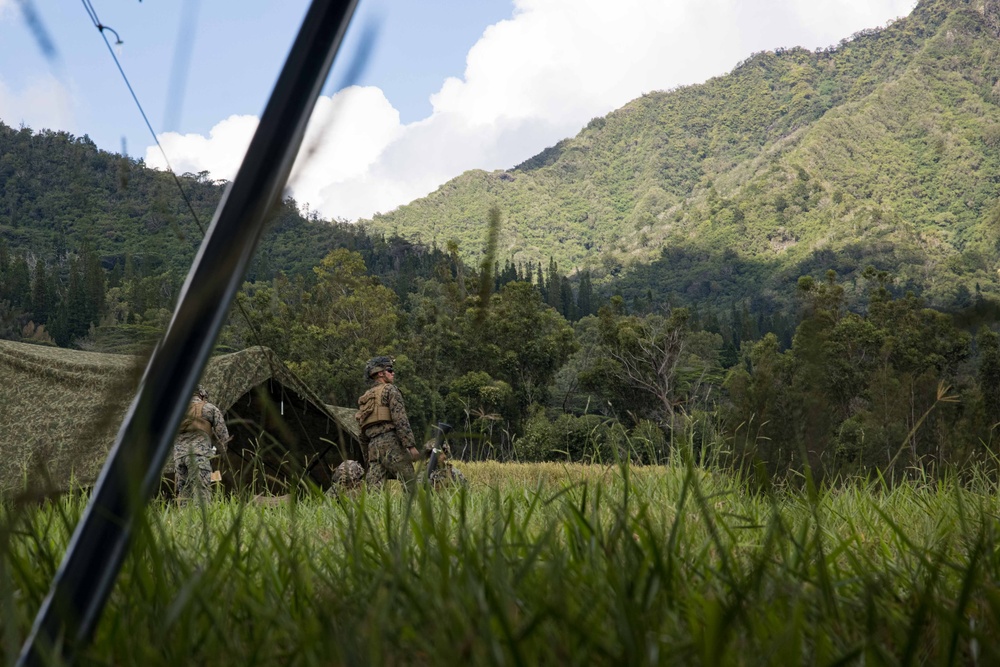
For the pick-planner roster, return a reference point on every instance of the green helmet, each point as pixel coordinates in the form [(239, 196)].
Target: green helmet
[(376, 365), (349, 473)]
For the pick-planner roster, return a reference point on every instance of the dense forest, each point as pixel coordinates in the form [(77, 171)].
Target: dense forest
[(529, 367), (793, 264)]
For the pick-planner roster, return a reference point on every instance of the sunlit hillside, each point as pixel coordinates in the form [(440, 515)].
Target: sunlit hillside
[(883, 150)]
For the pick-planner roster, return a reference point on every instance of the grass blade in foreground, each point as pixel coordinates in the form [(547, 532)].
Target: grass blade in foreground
[(549, 564)]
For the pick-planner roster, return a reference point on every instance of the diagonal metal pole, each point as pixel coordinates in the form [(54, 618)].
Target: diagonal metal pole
[(67, 618)]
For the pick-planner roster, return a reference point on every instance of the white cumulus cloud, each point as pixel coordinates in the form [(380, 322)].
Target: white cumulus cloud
[(529, 81), (45, 103), (345, 135), (220, 153)]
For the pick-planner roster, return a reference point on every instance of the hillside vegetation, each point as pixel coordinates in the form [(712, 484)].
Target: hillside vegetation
[(884, 150), (93, 239), (59, 194)]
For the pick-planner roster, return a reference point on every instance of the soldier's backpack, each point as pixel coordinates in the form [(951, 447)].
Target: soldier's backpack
[(193, 421), (371, 409)]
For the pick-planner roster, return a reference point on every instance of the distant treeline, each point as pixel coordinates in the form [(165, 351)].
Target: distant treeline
[(840, 373), (893, 385), (526, 369)]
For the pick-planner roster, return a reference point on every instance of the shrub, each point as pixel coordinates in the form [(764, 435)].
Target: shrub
[(588, 438), (647, 443)]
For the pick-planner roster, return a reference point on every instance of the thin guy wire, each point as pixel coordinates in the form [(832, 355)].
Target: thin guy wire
[(246, 317), (101, 28)]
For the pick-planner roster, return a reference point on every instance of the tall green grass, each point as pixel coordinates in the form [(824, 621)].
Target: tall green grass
[(544, 564)]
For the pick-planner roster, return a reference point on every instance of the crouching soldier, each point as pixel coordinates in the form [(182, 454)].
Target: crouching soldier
[(348, 476), (441, 472), (193, 449)]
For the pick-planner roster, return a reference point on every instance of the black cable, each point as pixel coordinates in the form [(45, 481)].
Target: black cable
[(354, 70), (101, 28), (92, 13)]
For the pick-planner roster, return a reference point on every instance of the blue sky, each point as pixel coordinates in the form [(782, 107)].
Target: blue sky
[(449, 85), (232, 59)]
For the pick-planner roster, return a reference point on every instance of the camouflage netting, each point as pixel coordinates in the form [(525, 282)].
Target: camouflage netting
[(346, 417), (60, 411)]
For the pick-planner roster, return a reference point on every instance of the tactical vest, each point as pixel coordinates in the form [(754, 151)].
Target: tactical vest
[(371, 409), (193, 421)]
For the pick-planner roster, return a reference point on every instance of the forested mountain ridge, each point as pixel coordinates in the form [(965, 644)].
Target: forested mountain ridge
[(60, 193), (94, 246), (884, 150)]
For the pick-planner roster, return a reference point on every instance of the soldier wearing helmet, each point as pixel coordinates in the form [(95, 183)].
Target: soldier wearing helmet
[(193, 449), (441, 472), (385, 428), (346, 477)]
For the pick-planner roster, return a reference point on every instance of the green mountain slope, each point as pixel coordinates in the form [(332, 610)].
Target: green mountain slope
[(884, 150), (59, 193)]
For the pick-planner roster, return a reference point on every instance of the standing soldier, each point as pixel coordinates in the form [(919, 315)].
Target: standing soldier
[(193, 448), (385, 429)]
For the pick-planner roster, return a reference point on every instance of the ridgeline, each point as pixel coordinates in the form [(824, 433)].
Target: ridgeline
[(882, 150), (61, 195)]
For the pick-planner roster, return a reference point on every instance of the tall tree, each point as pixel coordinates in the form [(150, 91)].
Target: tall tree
[(345, 317), (989, 372), (646, 364), (94, 284), (585, 296), (74, 306), (19, 284), (4, 270), (566, 301), (553, 293), (521, 341), (42, 294)]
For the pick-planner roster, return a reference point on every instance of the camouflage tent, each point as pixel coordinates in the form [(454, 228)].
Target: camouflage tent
[(60, 410), (346, 417)]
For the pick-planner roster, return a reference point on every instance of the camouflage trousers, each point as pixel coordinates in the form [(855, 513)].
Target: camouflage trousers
[(388, 460), (193, 468)]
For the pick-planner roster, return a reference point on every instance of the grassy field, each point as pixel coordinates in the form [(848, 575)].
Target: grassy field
[(544, 564)]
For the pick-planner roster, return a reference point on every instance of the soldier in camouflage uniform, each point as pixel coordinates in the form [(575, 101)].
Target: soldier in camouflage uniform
[(445, 473), (348, 476), (385, 429), (193, 448)]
